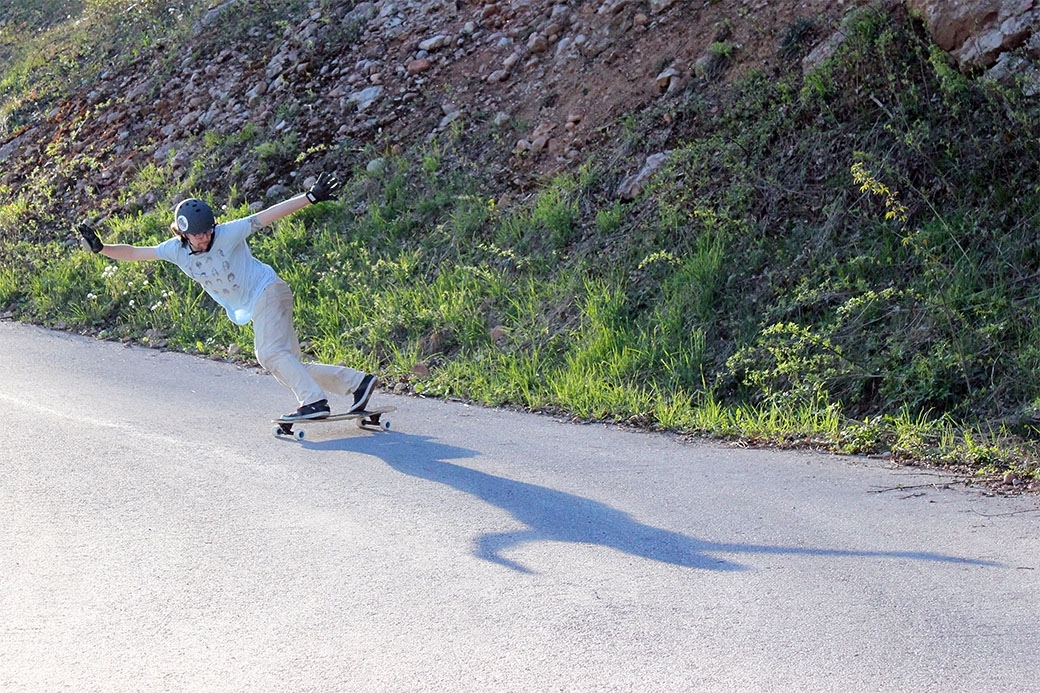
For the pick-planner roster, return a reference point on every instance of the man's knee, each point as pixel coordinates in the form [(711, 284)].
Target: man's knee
[(274, 359)]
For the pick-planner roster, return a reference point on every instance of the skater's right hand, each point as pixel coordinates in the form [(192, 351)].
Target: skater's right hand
[(90, 237), (324, 188)]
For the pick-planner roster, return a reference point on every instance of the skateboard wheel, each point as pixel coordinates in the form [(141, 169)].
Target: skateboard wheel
[(298, 434), (277, 430), (386, 425)]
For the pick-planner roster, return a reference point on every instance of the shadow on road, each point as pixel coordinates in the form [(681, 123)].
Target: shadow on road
[(551, 515)]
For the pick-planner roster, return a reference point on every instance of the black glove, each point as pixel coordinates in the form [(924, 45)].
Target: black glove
[(324, 188), (91, 238)]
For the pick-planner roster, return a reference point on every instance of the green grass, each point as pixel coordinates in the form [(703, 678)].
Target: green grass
[(843, 260)]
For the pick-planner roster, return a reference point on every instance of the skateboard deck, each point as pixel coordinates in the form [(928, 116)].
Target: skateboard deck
[(368, 418)]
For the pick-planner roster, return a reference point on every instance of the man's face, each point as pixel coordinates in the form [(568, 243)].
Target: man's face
[(200, 242)]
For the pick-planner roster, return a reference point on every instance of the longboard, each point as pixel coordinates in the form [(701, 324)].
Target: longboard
[(364, 419)]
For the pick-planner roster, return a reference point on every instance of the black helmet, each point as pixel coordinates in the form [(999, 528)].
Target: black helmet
[(193, 216)]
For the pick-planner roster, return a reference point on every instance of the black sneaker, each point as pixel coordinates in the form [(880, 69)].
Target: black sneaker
[(314, 410), (363, 394)]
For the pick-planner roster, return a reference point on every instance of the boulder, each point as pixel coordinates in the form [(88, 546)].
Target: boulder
[(977, 32)]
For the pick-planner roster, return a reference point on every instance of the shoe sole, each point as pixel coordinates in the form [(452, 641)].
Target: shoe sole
[(363, 404), (308, 417)]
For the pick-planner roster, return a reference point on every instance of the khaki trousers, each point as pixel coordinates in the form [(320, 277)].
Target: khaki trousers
[(278, 350)]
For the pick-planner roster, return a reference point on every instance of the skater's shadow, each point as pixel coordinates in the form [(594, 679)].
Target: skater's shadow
[(556, 516)]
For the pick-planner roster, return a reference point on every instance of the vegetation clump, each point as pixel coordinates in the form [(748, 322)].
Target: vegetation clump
[(845, 259)]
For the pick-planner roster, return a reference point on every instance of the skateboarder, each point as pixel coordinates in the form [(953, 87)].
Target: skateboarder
[(218, 257)]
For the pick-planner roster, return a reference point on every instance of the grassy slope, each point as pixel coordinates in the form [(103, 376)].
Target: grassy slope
[(846, 259)]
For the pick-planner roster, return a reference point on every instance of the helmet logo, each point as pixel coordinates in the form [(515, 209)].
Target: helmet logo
[(182, 223)]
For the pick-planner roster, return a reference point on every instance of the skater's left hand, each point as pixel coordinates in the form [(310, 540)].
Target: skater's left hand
[(324, 188), (91, 237)]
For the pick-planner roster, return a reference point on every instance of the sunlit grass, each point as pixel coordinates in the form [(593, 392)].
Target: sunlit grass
[(786, 279)]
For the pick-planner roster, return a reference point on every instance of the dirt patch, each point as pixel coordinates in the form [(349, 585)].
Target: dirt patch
[(536, 87)]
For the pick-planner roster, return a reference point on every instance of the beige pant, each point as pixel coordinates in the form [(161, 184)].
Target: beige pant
[(278, 350)]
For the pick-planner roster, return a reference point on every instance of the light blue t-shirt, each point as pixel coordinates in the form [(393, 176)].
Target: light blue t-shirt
[(228, 271)]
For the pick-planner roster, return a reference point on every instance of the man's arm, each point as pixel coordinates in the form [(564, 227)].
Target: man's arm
[(323, 189), (127, 253), (273, 213), (130, 253)]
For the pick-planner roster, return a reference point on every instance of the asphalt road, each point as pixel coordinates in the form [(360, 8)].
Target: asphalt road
[(155, 536)]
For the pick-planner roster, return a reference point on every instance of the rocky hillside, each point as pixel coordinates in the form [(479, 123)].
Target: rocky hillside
[(536, 86)]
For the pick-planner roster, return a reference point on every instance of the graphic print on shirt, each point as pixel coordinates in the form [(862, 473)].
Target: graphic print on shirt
[(215, 278)]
